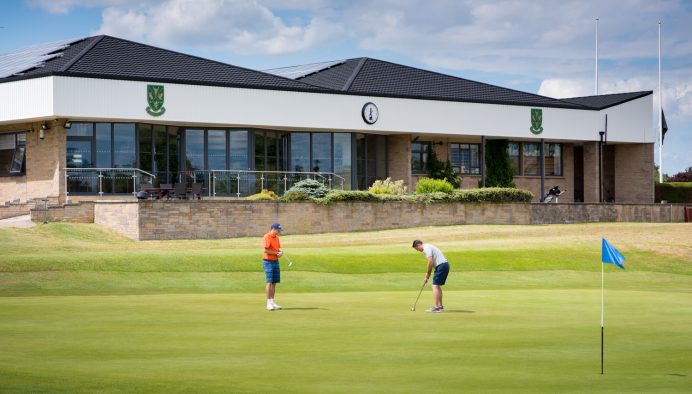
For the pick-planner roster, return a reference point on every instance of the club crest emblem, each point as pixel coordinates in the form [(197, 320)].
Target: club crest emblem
[(536, 121), (155, 100)]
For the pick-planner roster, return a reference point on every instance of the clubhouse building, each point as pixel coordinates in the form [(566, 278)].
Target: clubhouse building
[(99, 117)]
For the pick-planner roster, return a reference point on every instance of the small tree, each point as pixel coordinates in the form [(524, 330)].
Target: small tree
[(682, 176), (498, 167), (442, 170)]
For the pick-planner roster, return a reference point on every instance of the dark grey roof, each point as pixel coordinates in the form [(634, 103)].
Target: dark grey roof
[(115, 58), (603, 101), (380, 78)]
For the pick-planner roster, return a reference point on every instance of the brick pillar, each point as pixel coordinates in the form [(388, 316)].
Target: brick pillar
[(399, 158), (591, 172), (634, 173), (45, 158)]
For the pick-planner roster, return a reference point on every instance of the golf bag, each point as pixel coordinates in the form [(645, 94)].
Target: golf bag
[(553, 194)]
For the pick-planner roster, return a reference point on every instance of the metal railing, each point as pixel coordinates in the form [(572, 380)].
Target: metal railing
[(247, 182), (105, 180), (214, 182)]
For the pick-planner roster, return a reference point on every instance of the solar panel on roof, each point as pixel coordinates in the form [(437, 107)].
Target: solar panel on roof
[(296, 72), (24, 59)]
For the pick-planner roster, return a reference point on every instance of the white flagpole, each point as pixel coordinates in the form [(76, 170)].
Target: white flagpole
[(596, 56), (660, 111), (602, 305)]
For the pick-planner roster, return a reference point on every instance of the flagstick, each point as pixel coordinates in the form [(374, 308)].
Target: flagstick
[(602, 298), (596, 56), (660, 111)]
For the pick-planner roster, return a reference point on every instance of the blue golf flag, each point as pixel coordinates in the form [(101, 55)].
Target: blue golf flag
[(611, 255)]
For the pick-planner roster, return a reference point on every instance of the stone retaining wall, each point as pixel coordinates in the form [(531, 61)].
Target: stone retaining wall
[(122, 217), (147, 220), (80, 213)]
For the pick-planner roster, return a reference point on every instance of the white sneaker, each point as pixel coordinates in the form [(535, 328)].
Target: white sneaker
[(434, 309), (276, 306), (271, 307)]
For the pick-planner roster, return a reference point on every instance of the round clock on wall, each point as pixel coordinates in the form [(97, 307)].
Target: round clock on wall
[(370, 113)]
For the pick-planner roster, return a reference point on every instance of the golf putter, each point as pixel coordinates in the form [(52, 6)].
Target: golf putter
[(290, 263), (419, 293)]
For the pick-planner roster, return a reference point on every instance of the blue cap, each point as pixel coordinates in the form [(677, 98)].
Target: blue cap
[(277, 226)]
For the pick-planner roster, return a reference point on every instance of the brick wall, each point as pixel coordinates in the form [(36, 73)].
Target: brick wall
[(120, 217), (591, 188), (399, 158), (82, 212), (634, 173), (44, 159), (147, 220)]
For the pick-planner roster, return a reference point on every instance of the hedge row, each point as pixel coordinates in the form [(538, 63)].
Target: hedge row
[(495, 195), (674, 192)]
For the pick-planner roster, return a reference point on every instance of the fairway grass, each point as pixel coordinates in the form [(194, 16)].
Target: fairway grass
[(84, 310)]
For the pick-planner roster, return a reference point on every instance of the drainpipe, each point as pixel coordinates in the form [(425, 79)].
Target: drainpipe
[(542, 153), (482, 161)]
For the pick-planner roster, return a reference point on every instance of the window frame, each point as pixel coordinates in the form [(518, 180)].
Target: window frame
[(546, 144), (17, 146), (424, 163)]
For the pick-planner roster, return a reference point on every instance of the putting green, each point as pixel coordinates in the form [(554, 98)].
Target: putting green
[(516, 341), (83, 310)]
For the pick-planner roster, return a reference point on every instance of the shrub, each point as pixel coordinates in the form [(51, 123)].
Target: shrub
[(348, 195), (442, 170), (388, 187), (429, 185), (492, 194), (311, 187), (497, 164), (263, 195), (295, 196), (676, 192), (682, 176)]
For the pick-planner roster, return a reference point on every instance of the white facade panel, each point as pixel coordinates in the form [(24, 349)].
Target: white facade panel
[(84, 98), (26, 100)]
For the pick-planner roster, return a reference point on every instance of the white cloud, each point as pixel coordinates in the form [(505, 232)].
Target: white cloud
[(227, 25)]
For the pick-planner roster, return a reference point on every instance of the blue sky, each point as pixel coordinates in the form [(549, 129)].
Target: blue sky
[(541, 46)]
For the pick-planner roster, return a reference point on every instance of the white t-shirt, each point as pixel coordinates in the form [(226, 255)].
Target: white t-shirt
[(437, 256)]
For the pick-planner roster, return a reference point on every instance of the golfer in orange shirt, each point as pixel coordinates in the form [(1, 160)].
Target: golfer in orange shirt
[(270, 263)]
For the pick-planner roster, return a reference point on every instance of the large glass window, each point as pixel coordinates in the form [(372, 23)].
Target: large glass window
[(239, 149), (216, 149), (272, 140), (526, 158), (194, 149), (321, 152), (300, 152), (553, 159), (145, 147), (80, 138), (342, 157), (160, 152), (260, 151), (531, 158), (514, 157), (124, 144), (466, 158), (12, 154), (419, 156), (104, 142), (361, 163)]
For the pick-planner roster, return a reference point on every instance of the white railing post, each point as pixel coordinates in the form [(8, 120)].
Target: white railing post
[(100, 184), (134, 183), (67, 197), (238, 189)]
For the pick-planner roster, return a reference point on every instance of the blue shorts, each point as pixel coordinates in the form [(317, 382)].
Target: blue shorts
[(440, 276), (272, 271)]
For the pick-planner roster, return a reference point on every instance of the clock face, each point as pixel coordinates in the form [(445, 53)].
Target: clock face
[(370, 113)]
